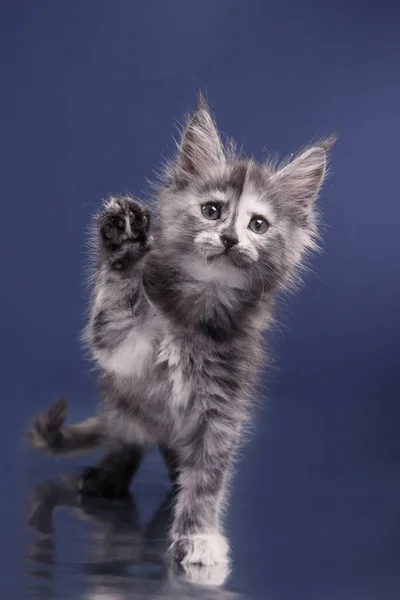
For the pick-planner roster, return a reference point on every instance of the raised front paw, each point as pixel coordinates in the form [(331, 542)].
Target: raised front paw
[(123, 220), (200, 549)]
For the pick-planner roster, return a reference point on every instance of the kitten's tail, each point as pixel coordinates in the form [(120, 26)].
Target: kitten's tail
[(49, 434)]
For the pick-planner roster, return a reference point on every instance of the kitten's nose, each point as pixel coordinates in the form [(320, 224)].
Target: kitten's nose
[(229, 240)]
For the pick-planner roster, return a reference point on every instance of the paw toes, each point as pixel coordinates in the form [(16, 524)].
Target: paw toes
[(139, 222), (214, 575), (112, 228), (179, 550), (200, 549), (123, 219)]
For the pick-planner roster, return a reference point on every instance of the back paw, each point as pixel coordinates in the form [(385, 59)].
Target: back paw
[(102, 483)]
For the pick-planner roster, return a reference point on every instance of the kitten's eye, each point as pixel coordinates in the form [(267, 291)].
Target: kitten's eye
[(258, 225), (211, 211)]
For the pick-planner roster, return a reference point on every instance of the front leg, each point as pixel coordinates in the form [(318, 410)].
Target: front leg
[(121, 243), (204, 471)]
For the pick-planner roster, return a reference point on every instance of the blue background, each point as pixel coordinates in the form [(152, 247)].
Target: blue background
[(90, 92)]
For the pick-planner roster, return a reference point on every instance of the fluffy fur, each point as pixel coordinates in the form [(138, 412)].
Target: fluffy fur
[(178, 318)]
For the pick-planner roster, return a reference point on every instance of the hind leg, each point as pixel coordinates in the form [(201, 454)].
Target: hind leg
[(111, 479)]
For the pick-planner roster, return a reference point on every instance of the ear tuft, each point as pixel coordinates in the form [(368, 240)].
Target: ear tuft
[(202, 103), (328, 143), (201, 145)]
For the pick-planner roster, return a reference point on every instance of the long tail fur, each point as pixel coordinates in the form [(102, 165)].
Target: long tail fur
[(49, 434)]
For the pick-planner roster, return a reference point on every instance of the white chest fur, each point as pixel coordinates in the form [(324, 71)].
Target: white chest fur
[(131, 356), (170, 351), (142, 348)]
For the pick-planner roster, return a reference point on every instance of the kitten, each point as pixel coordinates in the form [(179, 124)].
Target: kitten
[(177, 322)]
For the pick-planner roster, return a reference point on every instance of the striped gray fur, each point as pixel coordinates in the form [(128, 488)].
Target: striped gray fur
[(178, 316)]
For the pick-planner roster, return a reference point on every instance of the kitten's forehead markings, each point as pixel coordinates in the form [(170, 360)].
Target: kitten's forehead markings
[(128, 225), (236, 184), (252, 204), (238, 178)]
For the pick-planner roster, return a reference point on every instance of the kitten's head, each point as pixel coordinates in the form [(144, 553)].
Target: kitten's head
[(224, 217)]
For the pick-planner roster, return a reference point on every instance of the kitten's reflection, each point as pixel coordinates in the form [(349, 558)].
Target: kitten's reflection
[(127, 559)]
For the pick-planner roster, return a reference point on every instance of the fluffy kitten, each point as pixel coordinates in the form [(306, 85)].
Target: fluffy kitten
[(177, 321)]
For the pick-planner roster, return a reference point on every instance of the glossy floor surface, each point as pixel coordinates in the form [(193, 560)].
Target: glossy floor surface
[(90, 92), (312, 516)]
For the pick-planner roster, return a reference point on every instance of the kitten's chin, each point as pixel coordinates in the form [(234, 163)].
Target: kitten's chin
[(223, 271), (227, 258)]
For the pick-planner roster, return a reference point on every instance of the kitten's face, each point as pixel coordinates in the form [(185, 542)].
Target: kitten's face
[(225, 218), (230, 218)]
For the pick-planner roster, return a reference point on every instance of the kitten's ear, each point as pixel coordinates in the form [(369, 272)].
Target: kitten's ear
[(300, 181), (201, 145)]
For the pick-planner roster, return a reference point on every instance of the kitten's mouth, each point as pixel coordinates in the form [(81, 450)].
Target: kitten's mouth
[(226, 256)]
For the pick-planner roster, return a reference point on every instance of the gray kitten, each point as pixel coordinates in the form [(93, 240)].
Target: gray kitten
[(177, 322)]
